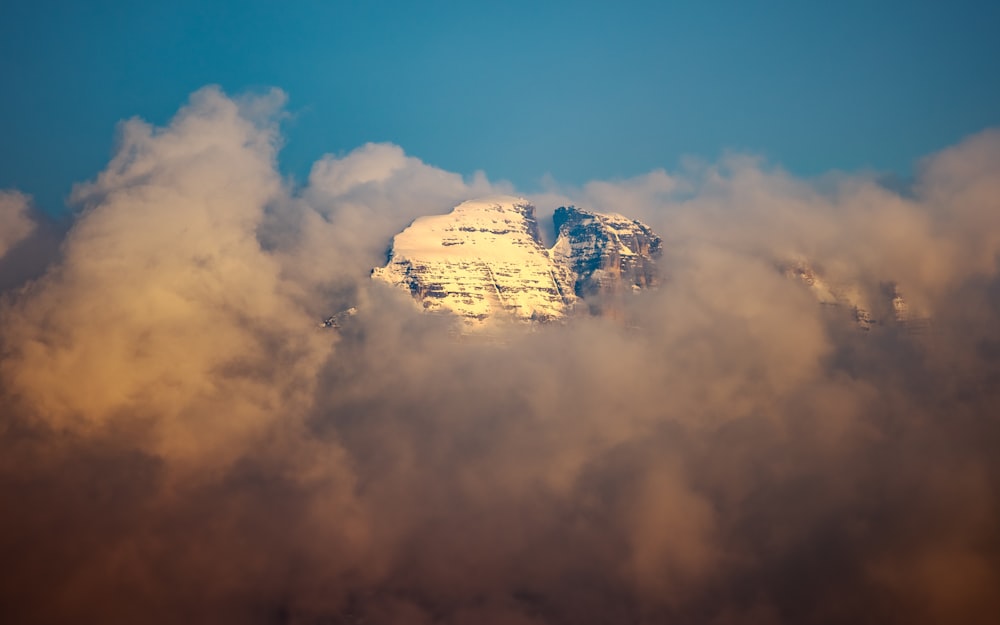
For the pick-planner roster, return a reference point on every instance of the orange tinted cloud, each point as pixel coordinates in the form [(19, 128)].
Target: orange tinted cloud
[(180, 442)]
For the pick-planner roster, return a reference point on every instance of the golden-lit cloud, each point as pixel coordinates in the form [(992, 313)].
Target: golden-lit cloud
[(15, 223), (164, 308)]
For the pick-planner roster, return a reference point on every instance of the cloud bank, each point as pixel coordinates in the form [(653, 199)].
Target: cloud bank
[(180, 443)]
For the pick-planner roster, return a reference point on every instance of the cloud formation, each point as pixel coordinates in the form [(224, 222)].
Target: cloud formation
[(179, 442), (15, 223)]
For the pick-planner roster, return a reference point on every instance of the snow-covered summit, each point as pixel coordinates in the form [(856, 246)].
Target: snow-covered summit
[(485, 260)]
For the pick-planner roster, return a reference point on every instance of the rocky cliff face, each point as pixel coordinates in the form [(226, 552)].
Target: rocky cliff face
[(485, 260), (604, 256)]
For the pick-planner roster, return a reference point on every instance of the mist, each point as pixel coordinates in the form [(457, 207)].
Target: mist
[(181, 442)]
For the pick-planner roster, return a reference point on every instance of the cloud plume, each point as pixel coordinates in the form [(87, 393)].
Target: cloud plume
[(180, 442)]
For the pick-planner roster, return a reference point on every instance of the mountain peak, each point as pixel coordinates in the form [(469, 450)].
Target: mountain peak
[(485, 260)]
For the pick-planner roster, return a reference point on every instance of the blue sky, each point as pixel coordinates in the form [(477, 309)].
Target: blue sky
[(577, 90)]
